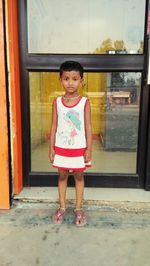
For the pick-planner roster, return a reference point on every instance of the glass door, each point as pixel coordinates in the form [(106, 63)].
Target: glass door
[(111, 50)]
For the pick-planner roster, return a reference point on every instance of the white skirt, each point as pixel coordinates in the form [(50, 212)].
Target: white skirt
[(70, 163)]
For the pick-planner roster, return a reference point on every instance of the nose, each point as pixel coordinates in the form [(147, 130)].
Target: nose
[(70, 82)]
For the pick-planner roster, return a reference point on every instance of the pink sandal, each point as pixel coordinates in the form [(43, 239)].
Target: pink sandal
[(59, 215), (80, 217)]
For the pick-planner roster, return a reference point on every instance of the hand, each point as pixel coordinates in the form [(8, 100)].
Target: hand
[(51, 155), (87, 155)]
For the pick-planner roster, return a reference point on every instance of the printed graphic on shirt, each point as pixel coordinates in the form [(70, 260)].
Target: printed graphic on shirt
[(73, 125), (74, 118)]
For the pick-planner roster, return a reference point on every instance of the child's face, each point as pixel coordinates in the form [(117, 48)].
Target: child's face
[(71, 80)]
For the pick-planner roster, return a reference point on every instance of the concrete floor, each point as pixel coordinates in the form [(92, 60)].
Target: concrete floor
[(117, 233), (113, 237)]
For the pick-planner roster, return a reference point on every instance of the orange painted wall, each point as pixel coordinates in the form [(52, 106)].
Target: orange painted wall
[(4, 160), (14, 81)]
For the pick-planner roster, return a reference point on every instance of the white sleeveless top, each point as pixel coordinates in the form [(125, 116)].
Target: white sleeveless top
[(71, 126)]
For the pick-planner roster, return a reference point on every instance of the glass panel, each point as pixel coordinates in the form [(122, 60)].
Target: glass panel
[(85, 27), (115, 104)]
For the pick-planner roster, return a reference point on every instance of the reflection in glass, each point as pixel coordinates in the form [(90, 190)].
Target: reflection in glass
[(115, 104), (85, 27)]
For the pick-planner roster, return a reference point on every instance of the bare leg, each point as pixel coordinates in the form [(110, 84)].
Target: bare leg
[(79, 185), (80, 217), (62, 187)]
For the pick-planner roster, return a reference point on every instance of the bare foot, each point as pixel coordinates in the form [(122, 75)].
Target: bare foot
[(80, 218), (58, 217)]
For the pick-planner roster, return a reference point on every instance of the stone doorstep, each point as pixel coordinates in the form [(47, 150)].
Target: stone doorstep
[(94, 198)]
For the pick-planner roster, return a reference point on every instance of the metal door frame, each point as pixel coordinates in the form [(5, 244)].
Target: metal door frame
[(91, 63)]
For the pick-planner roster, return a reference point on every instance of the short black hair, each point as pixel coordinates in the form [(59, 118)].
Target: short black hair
[(71, 66)]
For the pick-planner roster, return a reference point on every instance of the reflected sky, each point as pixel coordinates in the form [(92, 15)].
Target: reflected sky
[(69, 26)]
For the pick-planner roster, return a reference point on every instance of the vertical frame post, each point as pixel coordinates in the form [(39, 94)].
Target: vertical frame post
[(4, 143)]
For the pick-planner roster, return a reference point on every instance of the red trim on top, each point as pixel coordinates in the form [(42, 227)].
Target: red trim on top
[(70, 106), (87, 101), (69, 152)]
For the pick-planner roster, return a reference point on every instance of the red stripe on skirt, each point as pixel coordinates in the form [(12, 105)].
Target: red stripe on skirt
[(68, 168), (70, 152)]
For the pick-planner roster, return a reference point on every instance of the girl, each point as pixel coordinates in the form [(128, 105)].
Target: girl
[(71, 138)]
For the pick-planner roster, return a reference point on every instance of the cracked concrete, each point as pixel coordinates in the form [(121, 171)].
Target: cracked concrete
[(117, 234)]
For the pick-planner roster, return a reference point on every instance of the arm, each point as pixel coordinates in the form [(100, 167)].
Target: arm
[(53, 132), (88, 132)]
